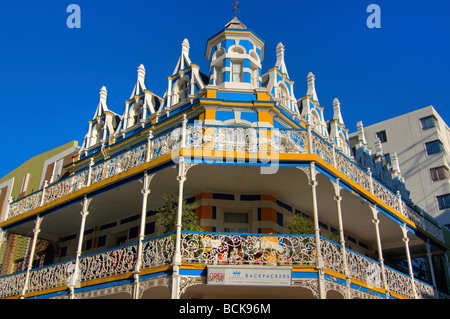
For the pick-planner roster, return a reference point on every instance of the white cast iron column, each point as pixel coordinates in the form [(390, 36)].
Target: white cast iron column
[(376, 222), (408, 256), (338, 199), (430, 261), (36, 231), (181, 179), (319, 258), (76, 274), (145, 192)]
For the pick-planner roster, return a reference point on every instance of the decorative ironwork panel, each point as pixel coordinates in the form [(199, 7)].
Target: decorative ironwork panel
[(217, 248), (108, 263), (119, 163), (363, 268), (399, 283), (332, 256), (158, 251), (423, 290), (322, 148), (166, 143), (52, 276), (12, 285), (25, 204), (66, 186)]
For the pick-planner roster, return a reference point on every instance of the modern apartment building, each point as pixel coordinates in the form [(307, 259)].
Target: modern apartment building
[(421, 141)]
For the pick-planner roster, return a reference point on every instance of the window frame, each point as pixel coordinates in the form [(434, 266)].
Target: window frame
[(427, 127), (446, 205), (383, 134), (432, 148)]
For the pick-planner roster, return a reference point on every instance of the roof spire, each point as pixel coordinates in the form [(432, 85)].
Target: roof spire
[(337, 111)]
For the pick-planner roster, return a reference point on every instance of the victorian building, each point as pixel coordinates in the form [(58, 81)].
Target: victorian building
[(251, 154)]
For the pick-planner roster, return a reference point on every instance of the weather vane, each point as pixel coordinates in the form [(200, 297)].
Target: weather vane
[(235, 7)]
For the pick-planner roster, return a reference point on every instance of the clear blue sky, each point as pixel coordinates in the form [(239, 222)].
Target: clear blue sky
[(50, 75)]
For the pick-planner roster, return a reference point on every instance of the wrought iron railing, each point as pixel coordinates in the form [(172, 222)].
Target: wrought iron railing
[(211, 249), (228, 139)]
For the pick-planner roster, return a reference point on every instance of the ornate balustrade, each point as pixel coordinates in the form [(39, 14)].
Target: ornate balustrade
[(228, 139), (212, 249)]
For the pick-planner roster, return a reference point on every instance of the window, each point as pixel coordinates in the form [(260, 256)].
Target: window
[(382, 136), (101, 241), (236, 70), (88, 244), (443, 201), (284, 96), (438, 173), (280, 219), (427, 122), (219, 75), (236, 217), (433, 147), (255, 77)]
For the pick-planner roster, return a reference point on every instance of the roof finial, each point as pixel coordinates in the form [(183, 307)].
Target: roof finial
[(235, 8)]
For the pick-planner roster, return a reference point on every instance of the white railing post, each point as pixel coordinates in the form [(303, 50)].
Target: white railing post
[(149, 146), (91, 164), (76, 274), (145, 192), (36, 230), (408, 256), (376, 222), (430, 261), (43, 193)]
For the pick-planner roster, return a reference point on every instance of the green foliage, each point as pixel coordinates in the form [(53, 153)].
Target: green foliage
[(166, 216), (300, 225)]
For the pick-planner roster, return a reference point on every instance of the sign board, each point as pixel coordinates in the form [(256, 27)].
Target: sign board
[(249, 275)]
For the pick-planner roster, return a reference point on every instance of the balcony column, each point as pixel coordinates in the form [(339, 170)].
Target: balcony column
[(181, 177), (36, 231), (376, 222), (145, 192), (408, 256), (319, 257), (75, 276), (338, 199), (430, 261)]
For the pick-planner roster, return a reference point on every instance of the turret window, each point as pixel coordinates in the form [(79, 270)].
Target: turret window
[(237, 72)]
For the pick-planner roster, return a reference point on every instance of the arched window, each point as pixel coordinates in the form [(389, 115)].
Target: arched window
[(180, 91), (96, 134), (315, 120), (284, 95), (135, 114)]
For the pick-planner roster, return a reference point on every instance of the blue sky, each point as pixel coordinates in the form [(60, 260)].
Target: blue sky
[(50, 75)]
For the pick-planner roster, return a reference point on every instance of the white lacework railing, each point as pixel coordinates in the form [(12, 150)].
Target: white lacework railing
[(353, 171), (166, 143), (363, 268), (158, 251), (399, 283), (425, 291), (332, 255), (321, 148), (25, 204), (53, 276), (233, 249), (251, 140), (222, 138), (119, 163), (108, 263), (12, 285)]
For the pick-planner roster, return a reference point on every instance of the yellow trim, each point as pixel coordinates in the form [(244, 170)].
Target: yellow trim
[(211, 94), (265, 117), (262, 96)]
